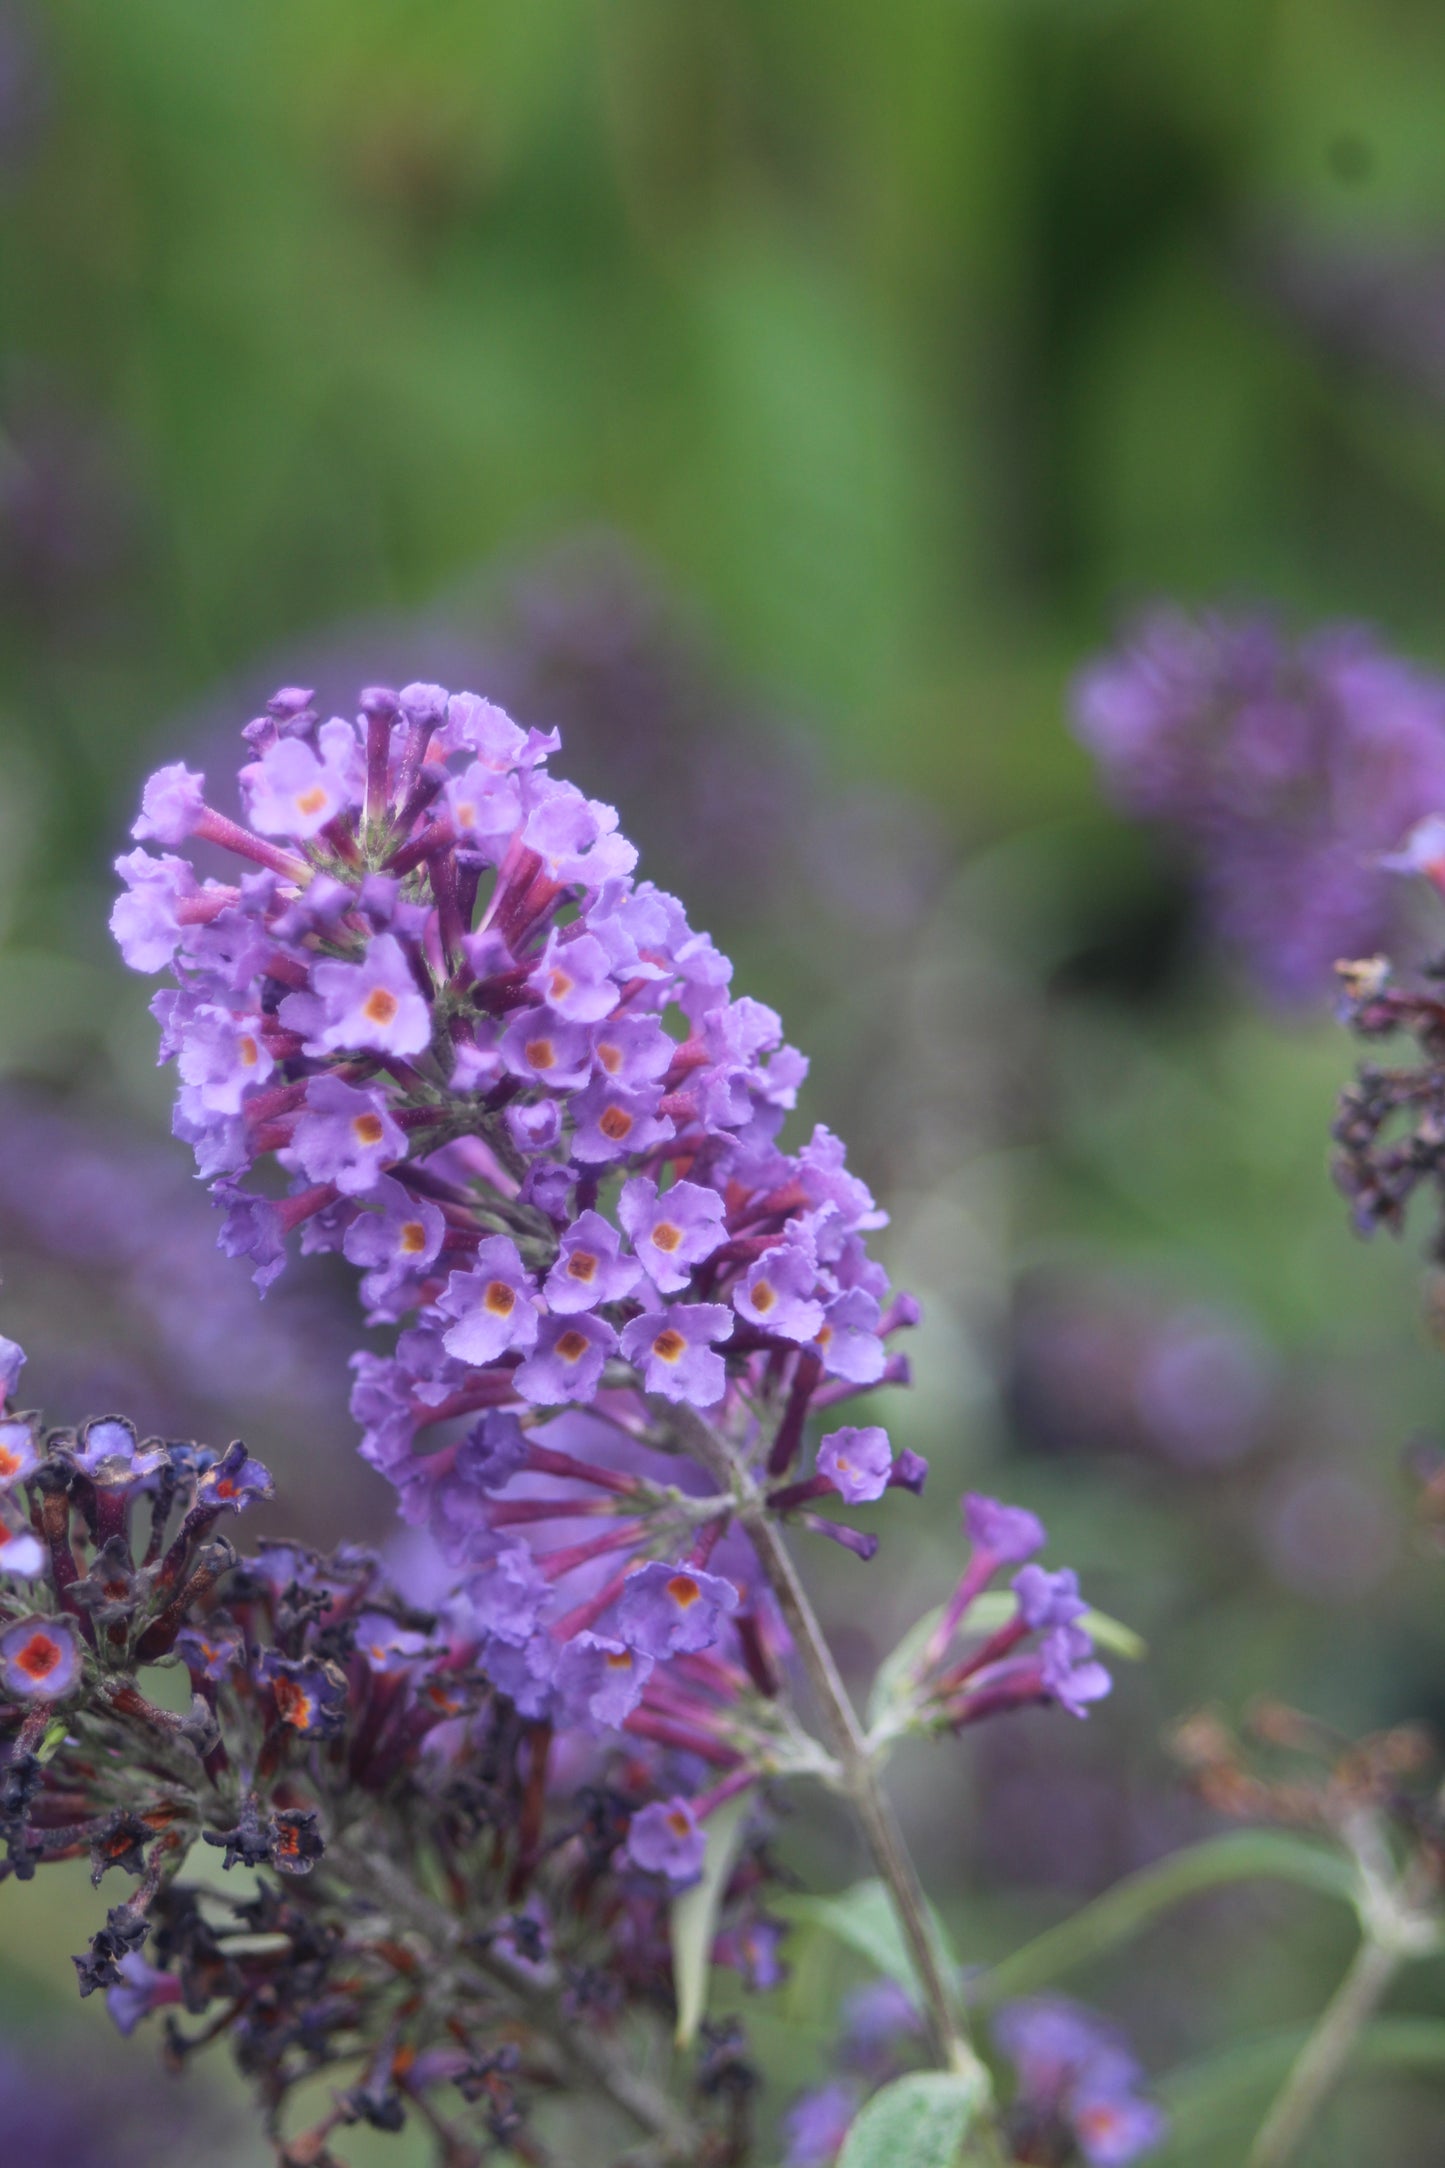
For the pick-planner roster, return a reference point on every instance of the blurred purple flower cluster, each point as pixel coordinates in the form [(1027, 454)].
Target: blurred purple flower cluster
[(1284, 769)]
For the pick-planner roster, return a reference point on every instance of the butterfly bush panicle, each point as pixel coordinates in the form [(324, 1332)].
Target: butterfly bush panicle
[(159, 1694), (1285, 768), (438, 1024)]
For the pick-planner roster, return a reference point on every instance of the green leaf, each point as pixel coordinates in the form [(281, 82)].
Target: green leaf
[(921, 2121), (694, 1916), (1248, 1855), (54, 1740), (987, 1613), (863, 1918)]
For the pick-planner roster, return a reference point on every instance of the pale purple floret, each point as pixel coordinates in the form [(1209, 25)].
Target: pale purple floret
[(21, 1551), (777, 1293), (171, 806), (19, 1455), (251, 1228), (1077, 2078), (39, 1659), (590, 1269), (387, 1647), (633, 1051), (479, 726), (345, 1136), (857, 1462), (145, 919), (223, 1057), (533, 1126), (374, 1005), (615, 1123), (508, 1594), (576, 837), (673, 1348), (544, 1048), (1071, 1674), (485, 809), (573, 978), (666, 1610), (12, 1362), (600, 1681), (567, 1362), (817, 2124), (523, 1671), (141, 1989), (849, 1342), (671, 1231), (664, 1839), (1009, 1534), (396, 1241), (1048, 1599), (492, 1304), (492, 1450), (290, 792)]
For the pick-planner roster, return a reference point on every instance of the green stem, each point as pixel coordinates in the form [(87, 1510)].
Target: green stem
[(1320, 2064)]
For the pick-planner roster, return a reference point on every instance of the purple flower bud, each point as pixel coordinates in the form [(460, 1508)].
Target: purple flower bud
[(858, 1463), (664, 1839)]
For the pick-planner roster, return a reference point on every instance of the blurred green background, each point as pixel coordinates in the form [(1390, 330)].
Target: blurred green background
[(825, 377)]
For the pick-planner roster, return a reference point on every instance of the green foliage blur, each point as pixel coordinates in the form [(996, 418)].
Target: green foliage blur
[(909, 344)]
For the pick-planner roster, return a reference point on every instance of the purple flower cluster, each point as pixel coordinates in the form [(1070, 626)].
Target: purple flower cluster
[(1078, 2085), (1286, 769), (509, 1083)]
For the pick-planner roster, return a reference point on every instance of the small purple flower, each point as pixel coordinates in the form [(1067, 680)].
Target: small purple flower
[(345, 1136), (817, 2124), (234, 1481), (590, 1268), (535, 1125), (171, 806), (567, 1362), (667, 1610), (507, 1594), (492, 1451), (601, 1681), (615, 1123), (633, 1051), (12, 1362), (1048, 1599), (574, 978), (290, 792), (19, 1455), (39, 1659), (387, 1647), (664, 1839), (1077, 2075), (373, 1004), (145, 919), (849, 1342), (777, 1293), (397, 1240), (544, 1048), (671, 1231), (1009, 1534), (142, 1988), (492, 1305), (485, 809), (524, 1672), (224, 1056), (858, 1463), (310, 1697), (1071, 1675), (21, 1550), (673, 1349)]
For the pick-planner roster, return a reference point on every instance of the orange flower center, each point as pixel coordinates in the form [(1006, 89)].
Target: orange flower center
[(610, 1058), (380, 1005), (666, 1237), (248, 1050), (618, 1659), (39, 1656), (678, 1823), (413, 1238), (367, 1129), (572, 1345), (311, 801), (10, 1463), (500, 1299), (614, 1123), (763, 1296), (669, 1346), (684, 1591), (293, 1703), (559, 985), (582, 1265), (541, 1053)]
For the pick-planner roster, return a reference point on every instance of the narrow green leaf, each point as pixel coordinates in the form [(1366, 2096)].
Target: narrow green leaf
[(863, 1918), (54, 1740), (1248, 1855), (694, 1916), (919, 2121)]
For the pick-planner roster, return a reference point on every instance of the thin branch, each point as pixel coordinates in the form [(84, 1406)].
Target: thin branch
[(1320, 2063)]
